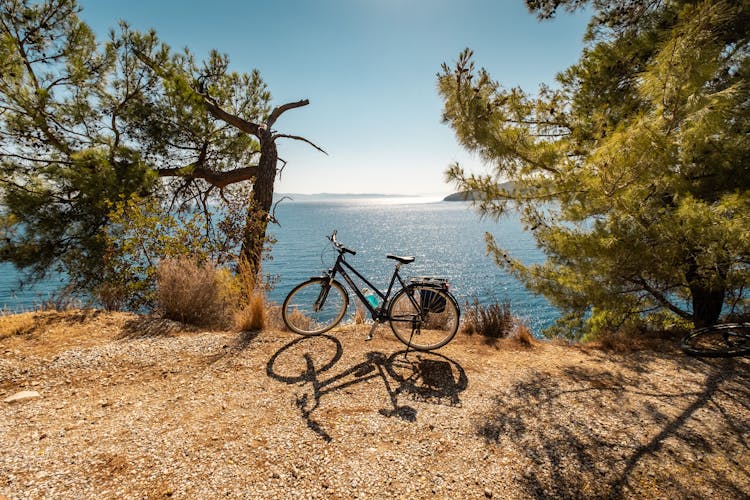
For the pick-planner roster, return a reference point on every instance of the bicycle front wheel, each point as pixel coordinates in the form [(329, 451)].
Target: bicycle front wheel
[(315, 306), (718, 341), (424, 317)]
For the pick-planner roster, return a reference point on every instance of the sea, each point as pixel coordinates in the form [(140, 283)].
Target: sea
[(447, 240)]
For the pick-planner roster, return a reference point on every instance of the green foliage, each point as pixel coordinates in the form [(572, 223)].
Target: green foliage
[(63, 156), (143, 232), (140, 233), (175, 128), (88, 128), (633, 172)]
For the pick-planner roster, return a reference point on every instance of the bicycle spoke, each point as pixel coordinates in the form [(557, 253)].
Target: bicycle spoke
[(423, 317), (314, 307)]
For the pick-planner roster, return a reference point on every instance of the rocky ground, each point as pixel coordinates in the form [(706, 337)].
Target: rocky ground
[(124, 406)]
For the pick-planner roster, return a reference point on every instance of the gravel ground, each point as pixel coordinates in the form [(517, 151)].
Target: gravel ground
[(142, 408)]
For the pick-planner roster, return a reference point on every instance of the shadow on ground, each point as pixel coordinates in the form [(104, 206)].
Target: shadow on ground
[(315, 363), (151, 326), (609, 432)]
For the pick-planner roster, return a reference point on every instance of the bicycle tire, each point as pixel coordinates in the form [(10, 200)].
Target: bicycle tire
[(299, 312), (424, 317), (718, 341)]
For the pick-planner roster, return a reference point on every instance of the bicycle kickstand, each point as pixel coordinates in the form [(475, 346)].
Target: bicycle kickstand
[(371, 334)]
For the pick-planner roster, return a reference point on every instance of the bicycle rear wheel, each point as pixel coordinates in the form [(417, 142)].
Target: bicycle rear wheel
[(718, 341), (424, 317), (314, 307)]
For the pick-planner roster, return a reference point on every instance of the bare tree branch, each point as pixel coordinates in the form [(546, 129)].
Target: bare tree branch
[(661, 298), (278, 110), (298, 138), (234, 120), (217, 179)]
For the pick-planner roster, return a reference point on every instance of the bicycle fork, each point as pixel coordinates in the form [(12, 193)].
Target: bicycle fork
[(322, 296)]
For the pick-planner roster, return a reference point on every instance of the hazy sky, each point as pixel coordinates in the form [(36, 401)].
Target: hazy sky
[(368, 68)]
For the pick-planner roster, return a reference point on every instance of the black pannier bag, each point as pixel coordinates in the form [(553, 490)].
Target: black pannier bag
[(431, 300)]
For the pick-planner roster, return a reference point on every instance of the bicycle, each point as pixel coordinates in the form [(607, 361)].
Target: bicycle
[(718, 341), (423, 314)]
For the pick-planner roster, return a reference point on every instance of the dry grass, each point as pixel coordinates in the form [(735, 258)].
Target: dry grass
[(251, 313), (16, 324), (522, 334), (299, 319), (274, 320), (360, 315), (45, 333), (195, 294), (492, 320)]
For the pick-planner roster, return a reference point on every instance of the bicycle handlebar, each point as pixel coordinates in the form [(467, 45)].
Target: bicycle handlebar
[(339, 246)]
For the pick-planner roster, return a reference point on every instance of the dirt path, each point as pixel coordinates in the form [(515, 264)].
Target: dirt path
[(135, 407)]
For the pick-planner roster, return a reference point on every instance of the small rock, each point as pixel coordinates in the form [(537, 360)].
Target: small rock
[(488, 493), (22, 396)]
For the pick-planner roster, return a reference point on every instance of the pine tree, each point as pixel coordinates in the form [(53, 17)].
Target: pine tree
[(632, 171), (85, 125), (63, 152)]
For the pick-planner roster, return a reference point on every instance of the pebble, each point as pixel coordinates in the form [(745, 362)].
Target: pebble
[(22, 396)]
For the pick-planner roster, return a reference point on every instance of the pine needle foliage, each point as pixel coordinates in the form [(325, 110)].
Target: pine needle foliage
[(632, 172)]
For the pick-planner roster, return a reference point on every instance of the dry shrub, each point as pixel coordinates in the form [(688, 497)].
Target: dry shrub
[(251, 312), (493, 320), (298, 318), (273, 317), (201, 295), (360, 315), (252, 315), (522, 334), (276, 321)]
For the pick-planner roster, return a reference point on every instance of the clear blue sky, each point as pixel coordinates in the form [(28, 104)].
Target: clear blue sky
[(368, 68)]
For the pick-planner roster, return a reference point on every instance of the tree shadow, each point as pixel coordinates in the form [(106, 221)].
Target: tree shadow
[(589, 432), (38, 323), (236, 346), (150, 326), (425, 377)]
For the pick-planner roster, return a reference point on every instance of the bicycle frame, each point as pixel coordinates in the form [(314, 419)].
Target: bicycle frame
[(378, 313), (420, 310)]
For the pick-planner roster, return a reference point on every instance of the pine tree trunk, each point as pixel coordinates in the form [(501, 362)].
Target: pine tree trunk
[(707, 304), (707, 300), (261, 202)]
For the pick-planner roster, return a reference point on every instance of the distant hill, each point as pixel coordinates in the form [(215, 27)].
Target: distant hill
[(476, 195), (463, 196), (335, 196)]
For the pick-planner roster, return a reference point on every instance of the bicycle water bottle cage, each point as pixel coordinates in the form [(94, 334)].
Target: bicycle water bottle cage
[(399, 258)]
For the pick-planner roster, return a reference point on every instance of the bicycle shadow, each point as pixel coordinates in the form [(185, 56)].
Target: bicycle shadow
[(593, 433), (422, 377)]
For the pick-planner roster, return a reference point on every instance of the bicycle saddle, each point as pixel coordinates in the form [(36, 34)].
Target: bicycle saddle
[(403, 260)]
